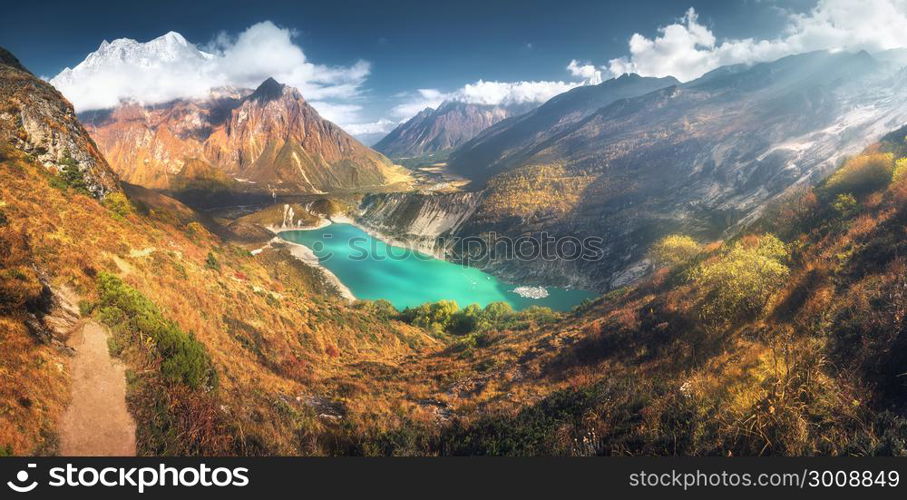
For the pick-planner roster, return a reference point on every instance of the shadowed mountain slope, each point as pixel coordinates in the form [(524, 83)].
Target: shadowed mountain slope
[(442, 129)]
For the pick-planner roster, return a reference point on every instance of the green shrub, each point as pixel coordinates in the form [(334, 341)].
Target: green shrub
[(900, 169), (738, 283), (445, 317), (539, 315), (119, 204), (434, 316), (183, 358), (211, 262), (674, 250), (466, 320), (71, 175), (846, 205), (861, 175), (381, 309), (497, 312), (85, 307)]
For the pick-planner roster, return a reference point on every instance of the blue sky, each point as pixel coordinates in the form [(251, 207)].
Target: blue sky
[(434, 46)]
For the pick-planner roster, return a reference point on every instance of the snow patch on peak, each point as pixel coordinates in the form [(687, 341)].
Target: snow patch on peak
[(124, 69), (173, 37)]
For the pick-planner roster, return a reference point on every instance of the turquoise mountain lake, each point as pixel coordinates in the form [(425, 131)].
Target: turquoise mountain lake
[(373, 270)]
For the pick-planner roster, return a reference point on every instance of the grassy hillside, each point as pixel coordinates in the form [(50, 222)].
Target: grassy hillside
[(228, 353)]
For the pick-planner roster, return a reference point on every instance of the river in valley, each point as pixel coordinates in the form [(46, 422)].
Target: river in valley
[(373, 270)]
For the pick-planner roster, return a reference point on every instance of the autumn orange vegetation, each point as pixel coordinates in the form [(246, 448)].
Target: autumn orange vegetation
[(277, 339), (541, 190)]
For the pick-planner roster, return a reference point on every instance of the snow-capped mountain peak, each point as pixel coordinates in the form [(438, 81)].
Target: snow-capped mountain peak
[(171, 47), (115, 65)]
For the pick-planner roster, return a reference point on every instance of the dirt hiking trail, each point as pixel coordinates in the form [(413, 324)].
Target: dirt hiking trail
[(96, 422)]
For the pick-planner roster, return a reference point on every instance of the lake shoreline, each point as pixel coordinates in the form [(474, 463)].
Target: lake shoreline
[(388, 239), (305, 254), (402, 283)]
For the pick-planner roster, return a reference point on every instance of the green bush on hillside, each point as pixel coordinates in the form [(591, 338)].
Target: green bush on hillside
[(445, 317), (131, 314), (900, 169), (435, 316), (674, 250), (119, 204), (71, 175), (846, 205), (737, 284), (861, 175)]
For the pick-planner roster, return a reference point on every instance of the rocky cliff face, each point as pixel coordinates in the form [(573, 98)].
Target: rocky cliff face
[(267, 140), (421, 221), (152, 146), (35, 118), (441, 129), (438, 224)]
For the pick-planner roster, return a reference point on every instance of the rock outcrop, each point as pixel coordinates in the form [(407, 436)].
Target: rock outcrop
[(426, 222), (36, 119)]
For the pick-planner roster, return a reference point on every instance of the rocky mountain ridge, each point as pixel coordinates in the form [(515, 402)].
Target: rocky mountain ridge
[(421, 221), (440, 129), (508, 142), (269, 140)]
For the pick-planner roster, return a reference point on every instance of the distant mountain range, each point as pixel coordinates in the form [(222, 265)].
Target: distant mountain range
[(626, 160), (512, 140), (442, 129)]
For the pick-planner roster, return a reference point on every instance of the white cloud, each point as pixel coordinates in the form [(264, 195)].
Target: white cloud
[(264, 50), (170, 67), (587, 72), (490, 93), (414, 102), (338, 112), (509, 93), (381, 126), (688, 49), (494, 93)]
